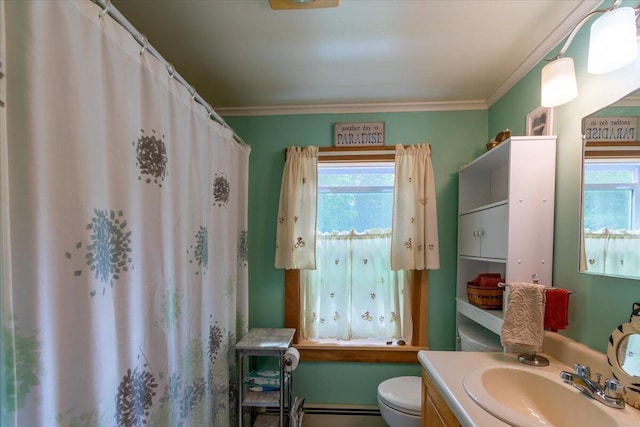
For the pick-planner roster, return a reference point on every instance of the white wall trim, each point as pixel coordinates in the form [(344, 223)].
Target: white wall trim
[(353, 108), (542, 51), (323, 415)]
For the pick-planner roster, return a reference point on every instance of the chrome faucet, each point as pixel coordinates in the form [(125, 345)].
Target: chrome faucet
[(610, 394)]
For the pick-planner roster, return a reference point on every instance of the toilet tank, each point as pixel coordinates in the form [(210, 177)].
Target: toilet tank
[(474, 337)]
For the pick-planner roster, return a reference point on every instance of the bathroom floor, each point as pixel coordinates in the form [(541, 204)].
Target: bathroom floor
[(320, 420)]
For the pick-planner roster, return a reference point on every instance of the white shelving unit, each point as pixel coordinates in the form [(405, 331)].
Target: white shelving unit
[(505, 211), (271, 343)]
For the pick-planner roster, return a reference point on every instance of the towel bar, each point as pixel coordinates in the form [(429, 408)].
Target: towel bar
[(502, 285)]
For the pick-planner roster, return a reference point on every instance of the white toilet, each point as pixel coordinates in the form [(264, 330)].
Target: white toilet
[(399, 400), (474, 337)]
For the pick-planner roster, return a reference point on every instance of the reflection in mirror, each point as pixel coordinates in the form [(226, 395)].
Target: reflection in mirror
[(611, 190), (629, 354), (623, 356)]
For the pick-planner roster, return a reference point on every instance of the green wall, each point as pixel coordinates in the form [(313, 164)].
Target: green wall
[(456, 138), (598, 304)]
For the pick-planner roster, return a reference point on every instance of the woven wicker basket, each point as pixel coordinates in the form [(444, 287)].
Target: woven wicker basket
[(485, 298)]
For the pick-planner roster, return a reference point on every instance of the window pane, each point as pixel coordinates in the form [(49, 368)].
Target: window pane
[(607, 209), (356, 175), (607, 176), (355, 196), (611, 173), (610, 194), (365, 300), (354, 211)]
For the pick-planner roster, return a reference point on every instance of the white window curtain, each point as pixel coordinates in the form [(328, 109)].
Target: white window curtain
[(615, 252), (297, 211), (354, 294), (414, 243), (124, 230), (6, 358), (357, 288)]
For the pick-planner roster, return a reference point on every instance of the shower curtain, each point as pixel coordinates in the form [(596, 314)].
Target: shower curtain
[(124, 232)]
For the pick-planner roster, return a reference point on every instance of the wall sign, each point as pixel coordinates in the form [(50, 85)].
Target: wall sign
[(610, 129), (358, 134)]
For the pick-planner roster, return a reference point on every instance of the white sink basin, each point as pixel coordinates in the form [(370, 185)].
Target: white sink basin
[(531, 398)]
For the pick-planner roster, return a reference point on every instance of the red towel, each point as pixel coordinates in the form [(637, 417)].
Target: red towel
[(476, 280), (556, 310), (490, 282)]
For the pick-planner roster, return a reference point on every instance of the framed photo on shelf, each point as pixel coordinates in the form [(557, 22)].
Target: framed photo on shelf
[(540, 122)]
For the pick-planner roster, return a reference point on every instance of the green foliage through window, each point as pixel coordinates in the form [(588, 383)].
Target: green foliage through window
[(355, 196), (611, 195)]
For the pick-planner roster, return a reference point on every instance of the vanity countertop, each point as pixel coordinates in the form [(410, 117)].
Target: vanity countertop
[(447, 369)]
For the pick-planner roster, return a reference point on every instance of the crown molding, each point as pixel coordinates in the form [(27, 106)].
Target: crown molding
[(301, 4), (399, 107), (632, 100), (540, 53)]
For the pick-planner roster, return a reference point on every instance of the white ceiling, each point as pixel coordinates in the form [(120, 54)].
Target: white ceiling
[(245, 58)]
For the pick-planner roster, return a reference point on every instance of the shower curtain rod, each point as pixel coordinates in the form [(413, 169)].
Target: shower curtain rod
[(113, 12)]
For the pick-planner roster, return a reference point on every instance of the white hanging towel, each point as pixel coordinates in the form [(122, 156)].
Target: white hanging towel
[(524, 316)]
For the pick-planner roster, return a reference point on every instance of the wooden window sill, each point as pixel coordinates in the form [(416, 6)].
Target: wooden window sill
[(314, 352)]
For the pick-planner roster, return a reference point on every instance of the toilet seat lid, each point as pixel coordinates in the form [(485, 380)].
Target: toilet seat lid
[(402, 394)]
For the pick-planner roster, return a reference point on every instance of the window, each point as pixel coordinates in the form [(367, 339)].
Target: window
[(353, 294), (611, 192), (355, 196), (611, 215), (355, 200)]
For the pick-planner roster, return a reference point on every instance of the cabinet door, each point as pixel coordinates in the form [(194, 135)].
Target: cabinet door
[(432, 418), (470, 229), (484, 234), (495, 232), (435, 412)]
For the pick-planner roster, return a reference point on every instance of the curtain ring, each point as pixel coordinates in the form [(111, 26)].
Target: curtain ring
[(209, 109), (192, 92), (107, 6), (171, 69), (145, 44)]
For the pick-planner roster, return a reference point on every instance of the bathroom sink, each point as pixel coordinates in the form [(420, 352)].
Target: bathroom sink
[(531, 398)]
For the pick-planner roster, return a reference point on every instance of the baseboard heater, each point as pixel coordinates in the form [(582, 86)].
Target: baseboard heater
[(324, 409)]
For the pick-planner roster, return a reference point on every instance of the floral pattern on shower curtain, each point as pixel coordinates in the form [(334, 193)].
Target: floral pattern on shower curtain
[(124, 233)]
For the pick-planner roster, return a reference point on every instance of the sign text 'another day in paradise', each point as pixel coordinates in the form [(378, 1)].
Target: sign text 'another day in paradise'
[(358, 134), (610, 129)]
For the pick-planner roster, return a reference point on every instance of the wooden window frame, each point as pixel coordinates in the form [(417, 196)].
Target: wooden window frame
[(419, 282), (604, 150)]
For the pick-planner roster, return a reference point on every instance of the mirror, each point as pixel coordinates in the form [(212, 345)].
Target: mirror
[(623, 355), (610, 214), (629, 354)]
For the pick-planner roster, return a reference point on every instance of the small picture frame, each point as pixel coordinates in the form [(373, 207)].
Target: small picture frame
[(540, 122)]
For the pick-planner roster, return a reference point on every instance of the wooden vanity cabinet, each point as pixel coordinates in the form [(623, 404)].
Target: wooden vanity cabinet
[(435, 411)]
